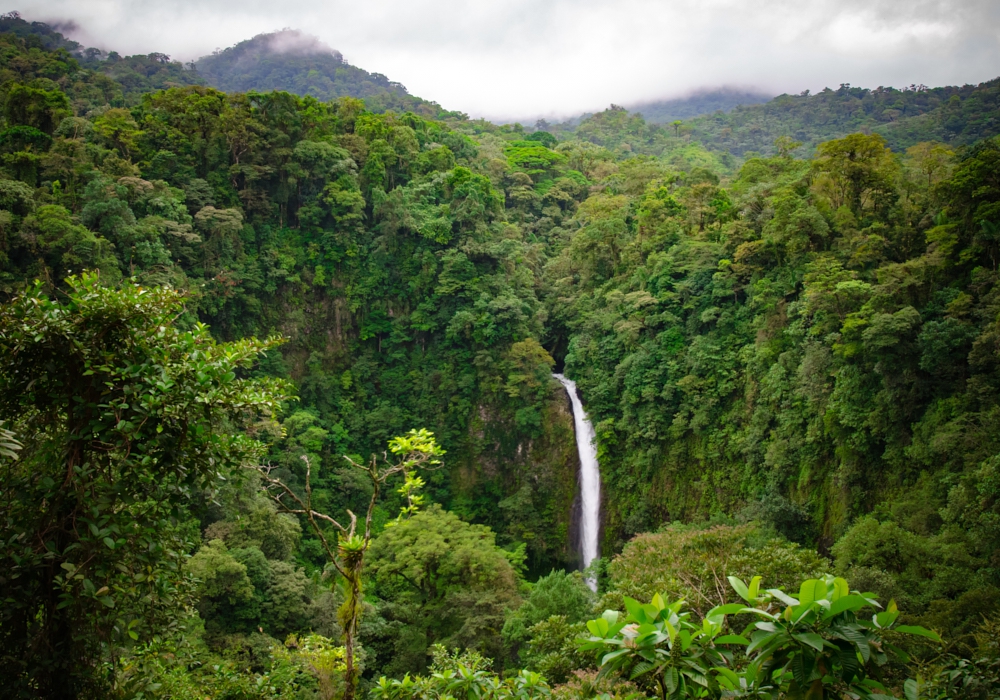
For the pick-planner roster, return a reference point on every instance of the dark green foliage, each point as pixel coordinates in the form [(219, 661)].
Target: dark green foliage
[(140, 74), (559, 595), (443, 582), (120, 414)]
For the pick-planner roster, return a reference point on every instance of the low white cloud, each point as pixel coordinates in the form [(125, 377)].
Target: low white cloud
[(514, 58), (294, 41)]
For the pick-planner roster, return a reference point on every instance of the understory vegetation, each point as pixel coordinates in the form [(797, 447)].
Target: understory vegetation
[(277, 417)]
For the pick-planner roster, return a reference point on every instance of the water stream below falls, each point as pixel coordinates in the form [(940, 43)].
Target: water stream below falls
[(590, 479)]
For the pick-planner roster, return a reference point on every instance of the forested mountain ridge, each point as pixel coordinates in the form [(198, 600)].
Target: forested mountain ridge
[(791, 360), (133, 75), (699, 103), (953, 115), (294, 62), (286, 60)]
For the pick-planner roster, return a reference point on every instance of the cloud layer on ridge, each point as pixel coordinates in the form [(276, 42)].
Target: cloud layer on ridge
[(558, 57)]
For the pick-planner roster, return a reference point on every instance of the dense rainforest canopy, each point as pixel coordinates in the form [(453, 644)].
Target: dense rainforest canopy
[(791, 362)]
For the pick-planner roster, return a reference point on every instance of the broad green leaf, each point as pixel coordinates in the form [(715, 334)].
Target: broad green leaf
[(911, 689), (884, 619), (782, 596), (732, 639), (918, 631), (634, 609), (810, 590), (810, 638), (850, 602), (740, 588), (840, 589), (598, 627), (755, 587), (728, 609), (728, 675)]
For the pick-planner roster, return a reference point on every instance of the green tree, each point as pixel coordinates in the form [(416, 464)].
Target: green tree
[(447, 581), (123, 416), (691, 563), (416, 448), (558, 593)]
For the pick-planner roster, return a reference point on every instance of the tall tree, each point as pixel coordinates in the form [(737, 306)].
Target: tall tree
[(124, 417)]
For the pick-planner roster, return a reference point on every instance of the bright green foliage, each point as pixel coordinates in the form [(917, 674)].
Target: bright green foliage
[(446, 582), (552, 649), (463, 676), (418, 448), (692, 564), (121, 414), (819, 645), (558, 593), (659, 640)]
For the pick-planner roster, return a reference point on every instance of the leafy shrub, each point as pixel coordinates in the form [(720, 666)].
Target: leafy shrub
[(817, 645), (692, 564), (464, 676)]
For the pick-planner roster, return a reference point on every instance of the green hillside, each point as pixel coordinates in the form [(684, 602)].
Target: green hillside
[(294, 62), (697, 104), (952, 115)]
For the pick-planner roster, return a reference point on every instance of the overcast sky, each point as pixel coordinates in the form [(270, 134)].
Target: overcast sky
[(524, 58)]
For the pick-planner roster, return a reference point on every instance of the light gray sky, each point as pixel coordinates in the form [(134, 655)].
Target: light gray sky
[(522, 58)]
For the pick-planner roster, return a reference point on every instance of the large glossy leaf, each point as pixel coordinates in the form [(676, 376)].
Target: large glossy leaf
[(810, 590), (919, 631), (884, 619), (810, 638), (802, 667), (850, 602), (728, 609), (782, 596), (740, 588)]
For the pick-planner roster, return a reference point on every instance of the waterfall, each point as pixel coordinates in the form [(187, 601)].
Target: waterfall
[(590, 479)]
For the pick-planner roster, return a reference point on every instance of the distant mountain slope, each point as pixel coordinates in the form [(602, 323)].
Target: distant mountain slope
[(954, 115), (697, 104), (296, 62), (134, 75)]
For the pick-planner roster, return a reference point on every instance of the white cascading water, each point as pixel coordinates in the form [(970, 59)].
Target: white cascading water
[(590, 479)]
